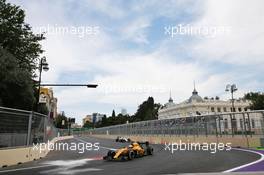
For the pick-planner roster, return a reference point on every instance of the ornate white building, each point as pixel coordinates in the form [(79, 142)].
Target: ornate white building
[(196, 105)]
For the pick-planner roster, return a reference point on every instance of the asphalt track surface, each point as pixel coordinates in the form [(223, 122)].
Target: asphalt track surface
[(162, 162)]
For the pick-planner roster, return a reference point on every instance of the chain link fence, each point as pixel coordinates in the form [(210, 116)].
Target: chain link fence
[(23, 128), (240, 123)]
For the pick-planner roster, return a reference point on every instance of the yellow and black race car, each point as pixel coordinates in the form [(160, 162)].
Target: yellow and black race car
[(134, 150)]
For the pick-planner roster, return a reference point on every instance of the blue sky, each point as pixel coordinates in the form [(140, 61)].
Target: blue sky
[(132, 57)]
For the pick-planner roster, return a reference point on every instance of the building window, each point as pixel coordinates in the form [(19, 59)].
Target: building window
[(245, 109), (225, 109), (212, 109), (239, 109), (218, 109), (233, 109)]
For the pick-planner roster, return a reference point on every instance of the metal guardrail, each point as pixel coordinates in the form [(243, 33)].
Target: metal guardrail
[(236, 123), (23, 128)]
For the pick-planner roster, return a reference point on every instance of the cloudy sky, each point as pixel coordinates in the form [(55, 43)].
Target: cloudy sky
[(138, 48)]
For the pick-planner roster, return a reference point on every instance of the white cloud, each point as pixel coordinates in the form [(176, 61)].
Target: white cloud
[(136, 30), (128, 77), (244, 45), (128, 70), (106, 7)]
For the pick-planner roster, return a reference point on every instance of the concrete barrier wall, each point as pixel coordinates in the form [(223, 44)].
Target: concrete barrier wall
[(15, 156), (236, 141)]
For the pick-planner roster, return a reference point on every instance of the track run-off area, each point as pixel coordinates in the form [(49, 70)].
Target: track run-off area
[(162, 162)]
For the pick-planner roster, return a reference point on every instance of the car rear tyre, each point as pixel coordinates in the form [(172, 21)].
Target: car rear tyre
[(149, 151), (130, 155), (110, 154)]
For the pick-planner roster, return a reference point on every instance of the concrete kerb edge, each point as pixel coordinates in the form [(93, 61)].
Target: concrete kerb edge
[(21, 155)]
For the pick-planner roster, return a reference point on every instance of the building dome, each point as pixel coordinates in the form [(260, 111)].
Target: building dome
[(170, 102), (195, 97)]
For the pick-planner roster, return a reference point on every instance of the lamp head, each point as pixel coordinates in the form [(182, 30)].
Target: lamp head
[(227, 88), (45, 66), (234, 88), (92, 85)]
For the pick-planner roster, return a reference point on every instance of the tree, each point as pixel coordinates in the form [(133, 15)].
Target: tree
[(257, 100), (88, 124), (61, 121), (148, 110), (113, 113), (16, 85), (19, 53), (42, 108), (17, 37), (104, 121)]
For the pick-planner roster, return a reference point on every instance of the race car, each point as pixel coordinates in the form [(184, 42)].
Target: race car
[(122, 139), (134, 150)]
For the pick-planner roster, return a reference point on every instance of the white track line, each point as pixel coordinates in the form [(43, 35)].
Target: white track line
[(42, 166), (81, 140), (27, 168), (248, 164)]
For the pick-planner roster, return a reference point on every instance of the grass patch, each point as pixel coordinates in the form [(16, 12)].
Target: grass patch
[(260, 148)]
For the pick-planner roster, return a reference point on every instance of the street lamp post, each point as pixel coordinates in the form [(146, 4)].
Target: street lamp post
[(232, 88), (43, 65), (69, 126)]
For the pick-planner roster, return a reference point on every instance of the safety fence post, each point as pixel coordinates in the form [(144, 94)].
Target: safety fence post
[(29, 127)]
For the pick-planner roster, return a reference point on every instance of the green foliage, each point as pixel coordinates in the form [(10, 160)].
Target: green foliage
[(19, 52), (88, 125), (42, 108), (257, 100), (148, 110), (117, 120), (17, 37), (59, 121), (16, 86), (113, 113)]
